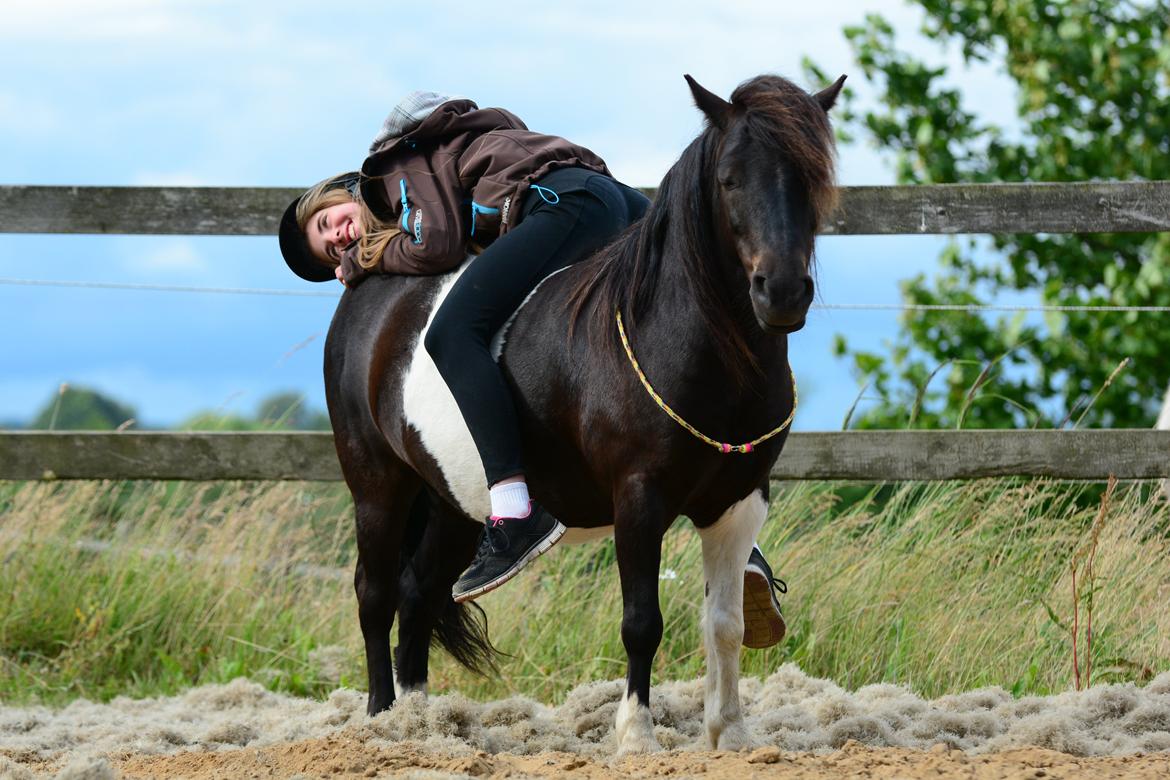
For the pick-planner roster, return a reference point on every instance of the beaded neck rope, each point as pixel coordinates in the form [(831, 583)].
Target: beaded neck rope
[(723, 447)]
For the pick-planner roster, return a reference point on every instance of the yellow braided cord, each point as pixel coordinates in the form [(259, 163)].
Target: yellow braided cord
[(721, 446)]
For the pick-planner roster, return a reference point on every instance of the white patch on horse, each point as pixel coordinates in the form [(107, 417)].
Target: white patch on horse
[(429, 408), (634, 727), (404, 690), (1163, 424), (726, 547)]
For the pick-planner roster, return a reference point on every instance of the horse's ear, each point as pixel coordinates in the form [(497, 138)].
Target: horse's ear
[(828, 96), (716, 108)]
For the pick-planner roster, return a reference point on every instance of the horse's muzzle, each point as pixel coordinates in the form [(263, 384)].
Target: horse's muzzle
[(781, 308)]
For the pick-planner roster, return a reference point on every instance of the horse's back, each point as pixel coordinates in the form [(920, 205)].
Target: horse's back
[(386, 396)]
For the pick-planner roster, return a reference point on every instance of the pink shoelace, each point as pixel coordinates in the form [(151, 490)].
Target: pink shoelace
[(497, 521)]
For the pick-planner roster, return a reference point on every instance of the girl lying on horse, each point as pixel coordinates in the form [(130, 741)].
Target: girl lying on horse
[(444, 177)]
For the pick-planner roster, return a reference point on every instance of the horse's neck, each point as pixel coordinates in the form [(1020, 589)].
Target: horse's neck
[(675, 317)]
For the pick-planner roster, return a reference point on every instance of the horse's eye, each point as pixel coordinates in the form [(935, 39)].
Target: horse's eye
[(729, 182)]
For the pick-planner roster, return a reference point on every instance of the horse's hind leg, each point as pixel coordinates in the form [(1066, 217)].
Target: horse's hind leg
[(638, 529), (382, 507), (444, 550), (726, 546)]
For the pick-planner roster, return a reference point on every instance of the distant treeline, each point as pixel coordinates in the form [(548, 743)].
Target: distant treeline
[(73, 408)]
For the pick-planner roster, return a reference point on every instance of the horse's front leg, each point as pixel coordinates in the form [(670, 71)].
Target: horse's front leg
[(639, 525), (726, 547)]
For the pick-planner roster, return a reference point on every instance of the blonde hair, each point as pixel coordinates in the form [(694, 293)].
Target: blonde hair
[(376, 233)]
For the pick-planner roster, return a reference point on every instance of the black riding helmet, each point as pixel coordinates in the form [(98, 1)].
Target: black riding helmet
[(295, 246)]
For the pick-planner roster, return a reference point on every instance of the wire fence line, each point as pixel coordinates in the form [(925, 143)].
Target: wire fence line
[(910, 307), (979, 307), (169, 288)]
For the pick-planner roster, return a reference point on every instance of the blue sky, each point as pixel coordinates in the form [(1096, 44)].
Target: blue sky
[(146, 92)]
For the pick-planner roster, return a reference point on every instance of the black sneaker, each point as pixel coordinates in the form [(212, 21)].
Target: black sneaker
[(508, 545), (763, 625)]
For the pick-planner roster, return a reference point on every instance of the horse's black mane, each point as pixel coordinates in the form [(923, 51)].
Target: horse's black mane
[(625, 275)]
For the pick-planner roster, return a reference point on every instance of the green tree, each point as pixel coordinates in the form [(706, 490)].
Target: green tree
[(1092, 87), (82, 409), (287, 411), (214, 421), (279, 411)]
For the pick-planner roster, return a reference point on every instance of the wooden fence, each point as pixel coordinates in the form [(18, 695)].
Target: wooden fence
[(1083, 207), (855, 455)]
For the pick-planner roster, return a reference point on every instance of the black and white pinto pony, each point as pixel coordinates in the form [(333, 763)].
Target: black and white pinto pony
[(709, 283)]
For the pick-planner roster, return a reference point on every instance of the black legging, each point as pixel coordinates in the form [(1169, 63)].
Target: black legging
[(575, 213)]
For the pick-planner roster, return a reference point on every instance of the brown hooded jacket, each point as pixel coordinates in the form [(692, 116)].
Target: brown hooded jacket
[(460, 173)]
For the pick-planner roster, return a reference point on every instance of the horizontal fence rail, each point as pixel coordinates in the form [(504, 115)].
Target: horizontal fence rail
[(1072, 207), (1076, 207), (876, 456)]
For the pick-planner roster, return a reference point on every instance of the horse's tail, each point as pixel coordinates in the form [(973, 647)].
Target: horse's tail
[(461, 628), (462, 631)]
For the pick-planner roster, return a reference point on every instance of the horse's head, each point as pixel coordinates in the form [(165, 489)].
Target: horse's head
[(772, 178)]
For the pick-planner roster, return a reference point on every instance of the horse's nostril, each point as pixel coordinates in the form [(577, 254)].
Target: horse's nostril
[(808, 287), (759, 284)]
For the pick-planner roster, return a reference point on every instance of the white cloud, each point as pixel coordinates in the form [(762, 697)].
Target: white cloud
[(102, 20)]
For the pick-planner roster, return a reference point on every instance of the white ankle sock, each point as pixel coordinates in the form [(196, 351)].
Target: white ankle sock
[(510, 500)]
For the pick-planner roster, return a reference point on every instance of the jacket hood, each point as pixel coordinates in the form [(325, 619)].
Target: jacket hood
[(442, 122), (435, 124), (413, 110)]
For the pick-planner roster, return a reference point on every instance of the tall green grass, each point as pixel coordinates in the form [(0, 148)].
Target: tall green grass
[(148, 588)]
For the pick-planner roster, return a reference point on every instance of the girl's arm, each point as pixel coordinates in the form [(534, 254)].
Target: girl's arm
[(433, 241)]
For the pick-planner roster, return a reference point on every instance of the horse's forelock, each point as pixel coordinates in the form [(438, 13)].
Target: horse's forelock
[(779, 112)]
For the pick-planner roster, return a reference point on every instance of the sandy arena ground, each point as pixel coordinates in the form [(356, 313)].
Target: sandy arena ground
[(345, 757), (806, 728)]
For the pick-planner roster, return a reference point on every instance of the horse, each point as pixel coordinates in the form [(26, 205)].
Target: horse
[(708, 285)]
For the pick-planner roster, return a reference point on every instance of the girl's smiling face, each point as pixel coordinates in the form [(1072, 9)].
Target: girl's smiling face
[(332, 229)]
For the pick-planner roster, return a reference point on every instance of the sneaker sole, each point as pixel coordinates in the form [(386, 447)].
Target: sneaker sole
[(539, 549), (763, 625)]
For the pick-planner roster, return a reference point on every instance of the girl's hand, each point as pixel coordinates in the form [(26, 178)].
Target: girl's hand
[(349, 272)]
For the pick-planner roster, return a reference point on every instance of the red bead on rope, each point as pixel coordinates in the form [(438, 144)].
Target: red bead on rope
[(725, 448), (747, 447)]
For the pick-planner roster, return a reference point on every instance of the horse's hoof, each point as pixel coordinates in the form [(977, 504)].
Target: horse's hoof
[(635, 728), (374, 707), (639, 745), (733, 741), (731, 736)]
